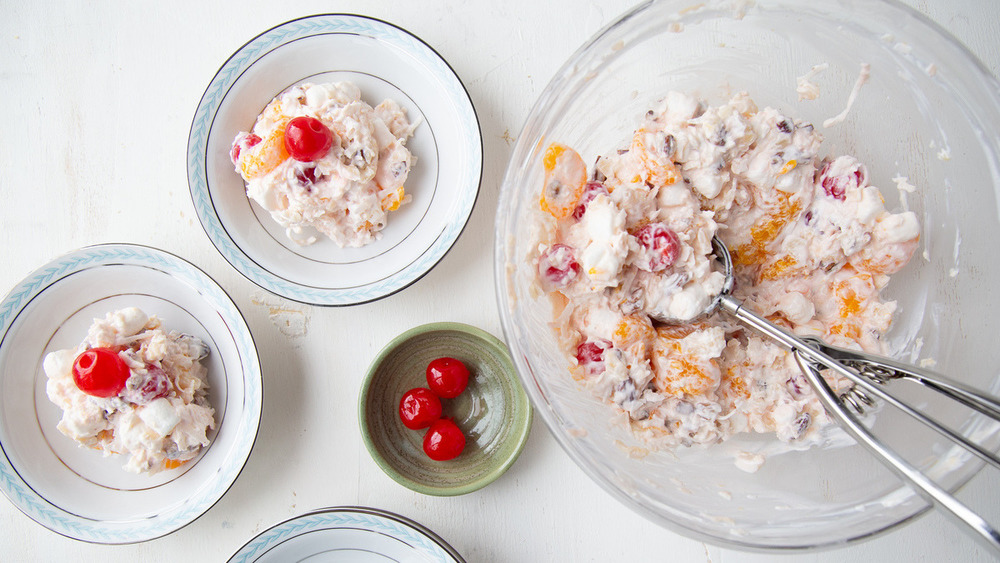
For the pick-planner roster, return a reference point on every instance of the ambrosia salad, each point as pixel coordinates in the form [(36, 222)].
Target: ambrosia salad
[(319, 157), (812, 246), (132, 388)]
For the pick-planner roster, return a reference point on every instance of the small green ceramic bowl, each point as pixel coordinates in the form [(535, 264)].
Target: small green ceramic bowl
[(493, 411)]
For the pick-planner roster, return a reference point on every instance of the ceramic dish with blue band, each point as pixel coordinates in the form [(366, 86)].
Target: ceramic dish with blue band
[(385, 62), (347, 534), (75, 491)]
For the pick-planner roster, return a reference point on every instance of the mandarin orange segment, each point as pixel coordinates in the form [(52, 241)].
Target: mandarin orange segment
[(850, 304), (882, 265), (678, 372), (660, 170), (846, 329), (101, 438), (763, 233), (780, 320), (691, 378), (851, 301), (737, 385), (273, 112), (267, 155), (888, 262), (685, 374), (778, 268), (565, 178), (631, 330), (393, 200), (173, 463), (552, 154)]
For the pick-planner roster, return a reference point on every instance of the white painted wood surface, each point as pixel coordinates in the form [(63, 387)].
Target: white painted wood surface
[(97, 99)]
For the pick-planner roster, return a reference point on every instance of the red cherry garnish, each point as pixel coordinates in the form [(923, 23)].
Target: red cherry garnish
[(100, 372), (662, 243), (447, 377), (419, 408), (307, 139), (444, 440)]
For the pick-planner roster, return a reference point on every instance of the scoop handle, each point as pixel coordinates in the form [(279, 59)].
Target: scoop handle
[(808, 357), (927, 488)]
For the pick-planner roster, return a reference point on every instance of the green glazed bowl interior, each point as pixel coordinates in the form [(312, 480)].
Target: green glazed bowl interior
[(493, 412)]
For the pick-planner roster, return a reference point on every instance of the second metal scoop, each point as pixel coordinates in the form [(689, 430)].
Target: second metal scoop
[(868, 372)]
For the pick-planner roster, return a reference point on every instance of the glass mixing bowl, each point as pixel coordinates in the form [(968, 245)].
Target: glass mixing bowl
[(929, 112)]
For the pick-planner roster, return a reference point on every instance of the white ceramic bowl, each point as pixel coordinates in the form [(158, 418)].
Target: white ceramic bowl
[(75, 491), (384, 61), (929, 112)]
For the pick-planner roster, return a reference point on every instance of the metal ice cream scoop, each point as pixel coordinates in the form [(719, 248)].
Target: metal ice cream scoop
[(868, 373)]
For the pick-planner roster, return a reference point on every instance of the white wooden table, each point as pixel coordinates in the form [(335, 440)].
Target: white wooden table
[(97, 99)]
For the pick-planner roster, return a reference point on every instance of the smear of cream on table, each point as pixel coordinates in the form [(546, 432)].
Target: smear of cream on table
[(290, 321)]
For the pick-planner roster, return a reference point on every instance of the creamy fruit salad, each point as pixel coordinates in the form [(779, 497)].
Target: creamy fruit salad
[(131, 388), (321, 159), (630, 243)]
